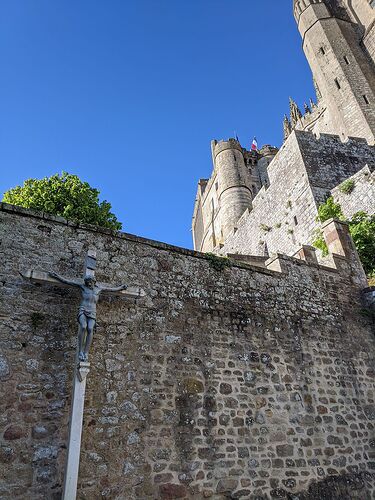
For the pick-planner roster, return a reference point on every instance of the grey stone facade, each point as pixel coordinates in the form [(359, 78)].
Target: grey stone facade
[(362, 195), (306, 170), (341, 60)]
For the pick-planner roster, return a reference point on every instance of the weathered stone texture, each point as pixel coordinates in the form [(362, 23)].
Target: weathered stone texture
[(270, 225), (244, 383), (362, 196), (342, 67), (301, 176), (369, 42)]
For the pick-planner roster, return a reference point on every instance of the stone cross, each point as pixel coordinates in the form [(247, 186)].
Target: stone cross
[(86, 319)]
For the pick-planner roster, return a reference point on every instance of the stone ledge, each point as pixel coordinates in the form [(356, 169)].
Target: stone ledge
[(281, 261), (25, 212)]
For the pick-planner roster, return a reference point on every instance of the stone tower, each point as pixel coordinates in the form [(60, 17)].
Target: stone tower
[(233, 183), (339, 43), (224, 198)]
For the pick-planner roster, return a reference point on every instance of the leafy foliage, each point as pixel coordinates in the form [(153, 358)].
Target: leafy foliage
[(330, 210), (362, 230), (218, 263), (65, 195), (347, 186), (320, 243)]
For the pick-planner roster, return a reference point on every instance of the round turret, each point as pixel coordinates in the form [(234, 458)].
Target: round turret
[(234, 182), (267, 150), (267, 153)]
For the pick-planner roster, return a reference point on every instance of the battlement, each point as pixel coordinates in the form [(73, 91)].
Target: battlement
[(299, 6), (218, 147), (348, 142)]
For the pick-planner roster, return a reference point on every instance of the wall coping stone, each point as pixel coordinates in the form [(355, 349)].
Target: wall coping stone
[(26, 212)]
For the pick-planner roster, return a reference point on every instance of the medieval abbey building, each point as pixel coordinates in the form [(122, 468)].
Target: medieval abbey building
[(246, 378), (261, 202)]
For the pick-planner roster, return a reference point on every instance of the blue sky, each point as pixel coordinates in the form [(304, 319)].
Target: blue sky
[(128, 94)]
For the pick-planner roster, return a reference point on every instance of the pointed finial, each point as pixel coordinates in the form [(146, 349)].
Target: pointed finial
[(295, 113), (287, 127), (307, 109)]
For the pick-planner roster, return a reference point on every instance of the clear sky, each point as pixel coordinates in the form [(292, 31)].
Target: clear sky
[(129, 93)]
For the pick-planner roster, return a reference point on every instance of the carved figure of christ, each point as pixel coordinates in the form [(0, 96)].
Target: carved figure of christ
[(87, 310), (91, 291)]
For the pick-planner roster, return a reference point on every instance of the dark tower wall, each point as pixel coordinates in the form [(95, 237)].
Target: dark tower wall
[(342, 68)]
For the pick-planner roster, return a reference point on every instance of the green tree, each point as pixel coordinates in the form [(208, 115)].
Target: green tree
[(362, 230), (329, 210), (65, 195)]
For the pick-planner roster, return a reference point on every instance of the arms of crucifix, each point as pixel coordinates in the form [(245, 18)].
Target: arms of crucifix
[(63, 280), (113, 289)]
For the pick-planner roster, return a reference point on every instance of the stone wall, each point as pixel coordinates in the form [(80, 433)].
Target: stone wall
[(301, 176), (240, 383), (361, 197), (369, 43), (271, 225)]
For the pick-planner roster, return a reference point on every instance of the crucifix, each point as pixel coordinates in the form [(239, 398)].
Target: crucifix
[(86, 318)]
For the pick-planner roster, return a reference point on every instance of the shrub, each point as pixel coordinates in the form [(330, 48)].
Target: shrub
[(218, 263), (65, 195), (347, 186), (330, 210), (362, 230), (320, 243)]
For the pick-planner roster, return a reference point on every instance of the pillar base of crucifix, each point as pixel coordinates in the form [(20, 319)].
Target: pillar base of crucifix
[(83, 369), (75, 430)]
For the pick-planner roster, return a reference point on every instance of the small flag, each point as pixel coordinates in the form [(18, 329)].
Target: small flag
[(254, 146)]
